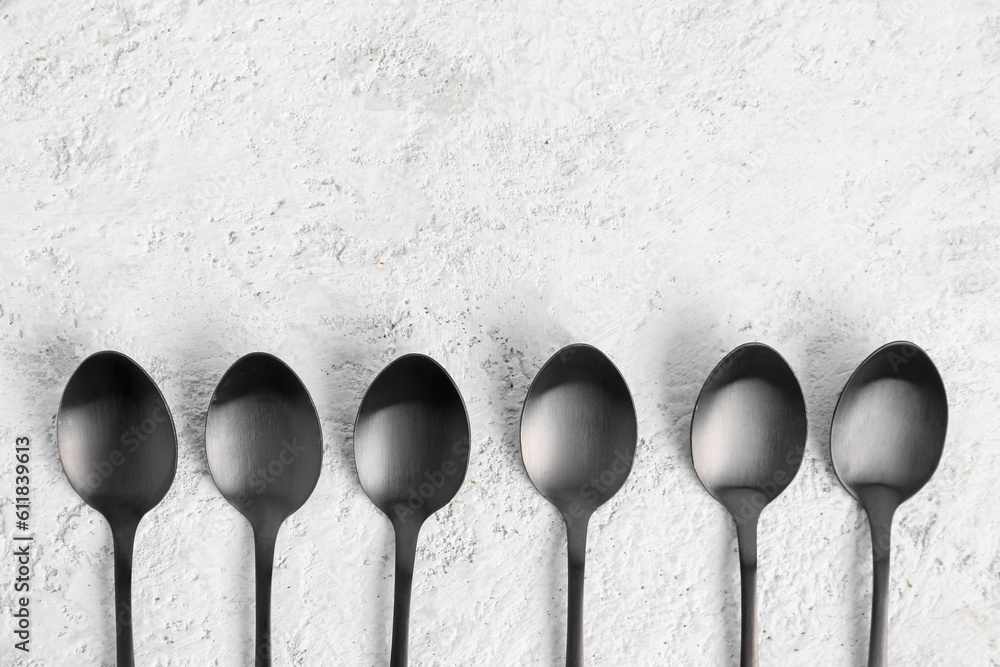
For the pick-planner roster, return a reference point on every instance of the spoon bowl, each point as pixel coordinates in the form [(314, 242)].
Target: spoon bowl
[(411, 446), (886, 440), (411, 439), (265, 452), (578, 430), (748, 429), (748, 435), (578, 437), (890, 421), (118, 447)]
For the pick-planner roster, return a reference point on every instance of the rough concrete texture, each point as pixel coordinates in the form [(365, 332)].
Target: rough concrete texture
[(339, 183)]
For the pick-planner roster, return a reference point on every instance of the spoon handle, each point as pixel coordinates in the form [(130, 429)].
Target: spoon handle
[(746, 537), (880, 518), (264, 565), (576, 532), (406, 554), (123, 536)]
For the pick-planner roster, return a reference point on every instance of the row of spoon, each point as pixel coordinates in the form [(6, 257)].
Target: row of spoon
[(264, 443)]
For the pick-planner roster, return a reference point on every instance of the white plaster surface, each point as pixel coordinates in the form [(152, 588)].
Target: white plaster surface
[(342, 182)]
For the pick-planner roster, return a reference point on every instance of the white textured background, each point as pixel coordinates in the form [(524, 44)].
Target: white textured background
[(485, 181)]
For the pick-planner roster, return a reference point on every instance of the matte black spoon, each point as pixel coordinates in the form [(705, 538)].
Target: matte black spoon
[(118, 447), (748, 433), (411, 445), (886, 441), (265, 450), (578, 436)]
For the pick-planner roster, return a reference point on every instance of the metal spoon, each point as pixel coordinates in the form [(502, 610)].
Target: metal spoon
[(886, 441), (748, 433), (411, 445), (578, 436), (265, 449), (119, 451)]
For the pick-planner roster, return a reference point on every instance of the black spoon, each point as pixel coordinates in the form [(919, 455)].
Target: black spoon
[(748, 433), (265, 449), (118, 447), (578, 437), (886, 441), (411, 445)]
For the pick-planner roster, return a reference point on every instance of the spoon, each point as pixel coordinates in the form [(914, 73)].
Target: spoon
[(119, 450), (265, 449), (886, 441), (748, 433), (578, 436), (411, 445)]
